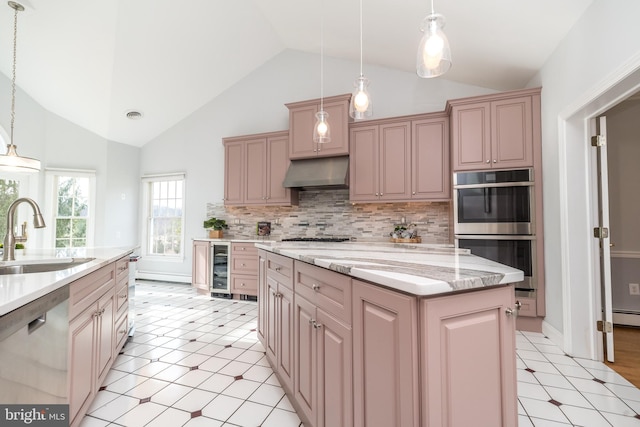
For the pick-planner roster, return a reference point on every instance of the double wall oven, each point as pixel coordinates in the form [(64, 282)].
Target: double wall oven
[(494, 217)]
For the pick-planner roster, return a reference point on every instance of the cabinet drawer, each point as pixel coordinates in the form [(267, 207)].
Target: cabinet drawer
[(85, 291), (121, 331), (280, 268), (326, 289), (122, 296), (244, 264), (122, 268), (244, 284), (528, 307), (244, 249)]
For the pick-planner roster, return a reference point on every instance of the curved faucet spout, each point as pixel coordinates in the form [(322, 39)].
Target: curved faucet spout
[(10, 238)]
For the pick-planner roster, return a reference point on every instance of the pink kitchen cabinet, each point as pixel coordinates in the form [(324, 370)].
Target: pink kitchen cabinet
[(302, 118), (255, 166), (430, 164), (494, 131), (201, 266), (262, 295), (468, 362)]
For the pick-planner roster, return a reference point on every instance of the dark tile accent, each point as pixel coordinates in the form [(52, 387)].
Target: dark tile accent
[(239, 377), (192, 321), (227, 346), (637, 416), (193, 368), (529, 370), (196, 414), (215, 311), (253, 330), (154, 360), (242, 314), (192, 340), (555, 402), (104, 387), (190, 308), (220, 326), (145, 400), (599, 381)]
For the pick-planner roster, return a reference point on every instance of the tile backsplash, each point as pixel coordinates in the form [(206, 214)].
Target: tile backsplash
[(328, 213)]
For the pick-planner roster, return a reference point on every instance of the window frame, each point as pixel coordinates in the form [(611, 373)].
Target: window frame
[(147, 183), (51, 203)]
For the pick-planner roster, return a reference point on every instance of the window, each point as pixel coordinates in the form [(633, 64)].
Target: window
[(71, 208), (164, 197), (9, 193)]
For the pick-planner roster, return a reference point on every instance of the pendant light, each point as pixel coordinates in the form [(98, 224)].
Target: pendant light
[(360, 106), (321, 130), (434, 54), (11, 161)]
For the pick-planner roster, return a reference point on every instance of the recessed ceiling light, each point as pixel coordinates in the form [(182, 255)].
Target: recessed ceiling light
[(134, 115)]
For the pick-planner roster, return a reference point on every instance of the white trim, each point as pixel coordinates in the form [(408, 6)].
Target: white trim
[(626, 318), (175, 176), (163, 277), (70, 172), (553, 334)]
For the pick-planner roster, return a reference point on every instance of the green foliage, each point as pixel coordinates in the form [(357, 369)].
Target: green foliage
[(8, 195), (216, 224)]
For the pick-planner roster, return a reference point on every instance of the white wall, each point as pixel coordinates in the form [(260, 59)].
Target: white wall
[(58, 143), (584, 67), (256, 104)]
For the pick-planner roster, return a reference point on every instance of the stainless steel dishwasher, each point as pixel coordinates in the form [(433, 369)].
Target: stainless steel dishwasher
[(33, 351)]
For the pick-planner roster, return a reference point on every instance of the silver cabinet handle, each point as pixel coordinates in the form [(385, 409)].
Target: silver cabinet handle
[(495, 161), (513, 311), (315, 287), (488, 161), (278, 268)]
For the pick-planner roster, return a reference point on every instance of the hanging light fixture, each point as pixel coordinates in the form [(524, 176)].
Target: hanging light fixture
[(434, 54), (11, 161), (321, 130), (360, 106)]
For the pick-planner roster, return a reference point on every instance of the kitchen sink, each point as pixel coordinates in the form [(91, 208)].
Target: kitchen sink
[(27, 267)]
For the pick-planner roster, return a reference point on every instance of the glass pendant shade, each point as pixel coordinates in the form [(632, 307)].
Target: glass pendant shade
[(434, 54), (321, 130), (12, 162), (360, 106)]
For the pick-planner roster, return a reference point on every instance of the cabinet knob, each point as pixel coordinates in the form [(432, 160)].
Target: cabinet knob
[(488, 161), (241, 284), (278, 268), (495, 161), (377, 194), (242, 249), (413, 192), (242, 265), (381, 194), (513, 311), (122, 332), (315, 287)]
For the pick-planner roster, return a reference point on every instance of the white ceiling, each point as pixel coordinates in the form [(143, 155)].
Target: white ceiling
[(91, 61)]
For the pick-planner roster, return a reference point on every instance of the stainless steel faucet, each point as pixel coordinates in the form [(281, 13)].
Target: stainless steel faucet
[(10, 238)]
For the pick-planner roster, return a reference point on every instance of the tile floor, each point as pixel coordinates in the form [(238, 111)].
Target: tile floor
[(196, 361)]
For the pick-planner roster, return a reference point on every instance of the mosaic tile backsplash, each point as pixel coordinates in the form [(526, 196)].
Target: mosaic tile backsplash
[(328, 213)]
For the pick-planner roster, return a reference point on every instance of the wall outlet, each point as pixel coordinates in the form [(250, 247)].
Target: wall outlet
[(634, 288)]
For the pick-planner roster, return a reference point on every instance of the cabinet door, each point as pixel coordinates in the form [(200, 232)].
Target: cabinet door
[(285, 335), (338, 123), (81, 365), (335, 370), (471, 136), (301, 122), (512, 133), (430, 170), (468, 360), (363, 164), (305, 379), (277, 165), (385, 358), (255, 172), (395, 161), (105, 336), (233, 173), (201, 270), (271, 329), (262, 297)]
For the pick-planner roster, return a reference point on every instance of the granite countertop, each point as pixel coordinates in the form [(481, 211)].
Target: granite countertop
[(17, 290), (418, 269)]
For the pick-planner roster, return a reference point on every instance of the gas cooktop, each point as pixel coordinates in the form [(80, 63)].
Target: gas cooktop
[(316, 239)]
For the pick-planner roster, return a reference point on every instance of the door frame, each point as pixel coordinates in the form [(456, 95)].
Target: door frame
[(579, 251)]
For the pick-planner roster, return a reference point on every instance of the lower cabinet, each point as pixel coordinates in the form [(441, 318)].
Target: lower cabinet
[(352, 353), (97, 319), (201, 267)]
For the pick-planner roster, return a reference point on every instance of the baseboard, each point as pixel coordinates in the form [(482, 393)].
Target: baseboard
[(163, 277), (627, 319), (553, 334)]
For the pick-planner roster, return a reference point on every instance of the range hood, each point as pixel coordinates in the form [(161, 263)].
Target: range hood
[(322, 172)]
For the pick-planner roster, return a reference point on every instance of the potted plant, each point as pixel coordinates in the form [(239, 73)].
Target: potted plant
[(215, 227)]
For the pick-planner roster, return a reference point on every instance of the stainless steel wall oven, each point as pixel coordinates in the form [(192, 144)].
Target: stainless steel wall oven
[(494, 217)]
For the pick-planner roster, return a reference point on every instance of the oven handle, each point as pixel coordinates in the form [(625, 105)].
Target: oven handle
[(496, 185), (487, 200), (494, 237)]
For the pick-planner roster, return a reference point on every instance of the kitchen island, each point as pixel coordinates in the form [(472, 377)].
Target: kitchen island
[(63, 320), (382, 334)]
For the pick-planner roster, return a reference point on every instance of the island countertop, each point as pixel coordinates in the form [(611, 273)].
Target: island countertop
[(17, 290), (418, 269)]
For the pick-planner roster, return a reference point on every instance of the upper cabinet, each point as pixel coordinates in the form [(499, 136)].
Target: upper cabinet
[(255, 166), (302, 118), (494, 131), (404, 159)]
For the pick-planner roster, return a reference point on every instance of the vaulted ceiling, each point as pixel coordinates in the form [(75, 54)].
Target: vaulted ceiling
[(91, 61)]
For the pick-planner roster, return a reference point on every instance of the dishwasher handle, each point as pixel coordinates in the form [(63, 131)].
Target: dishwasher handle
[(37, 323)]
